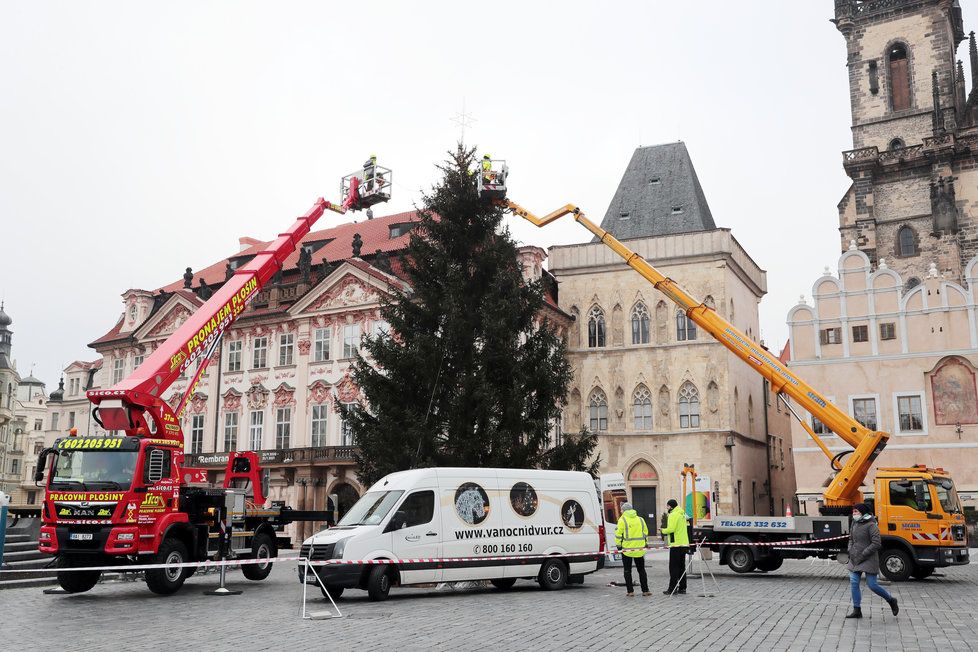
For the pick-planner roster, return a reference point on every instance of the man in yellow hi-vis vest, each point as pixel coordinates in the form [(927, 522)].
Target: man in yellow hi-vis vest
[(677, 536), (631, 537)]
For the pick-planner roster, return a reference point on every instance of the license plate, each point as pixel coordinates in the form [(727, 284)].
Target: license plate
[(81, 536)]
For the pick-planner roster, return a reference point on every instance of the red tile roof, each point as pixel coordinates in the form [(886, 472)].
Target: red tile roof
[(375, 234), (785, 356), (113, 334)]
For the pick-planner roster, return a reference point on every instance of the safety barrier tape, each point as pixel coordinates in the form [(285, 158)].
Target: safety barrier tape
[(436, 560), (137, 568)]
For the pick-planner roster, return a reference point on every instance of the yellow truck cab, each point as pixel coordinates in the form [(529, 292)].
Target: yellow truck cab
[(921, 522)]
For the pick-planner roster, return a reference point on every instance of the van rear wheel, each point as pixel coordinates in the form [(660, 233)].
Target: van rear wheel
[(503, 583), (553, 575), (379, 583)]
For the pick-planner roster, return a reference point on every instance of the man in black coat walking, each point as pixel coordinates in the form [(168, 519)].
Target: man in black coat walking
[(864, 547)]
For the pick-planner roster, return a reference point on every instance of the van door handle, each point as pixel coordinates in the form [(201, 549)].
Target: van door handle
[(412, 537), (432, 534)]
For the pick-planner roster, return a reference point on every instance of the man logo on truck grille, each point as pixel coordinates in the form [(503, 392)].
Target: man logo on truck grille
[(471, 503), (573, 514), (523, 498)]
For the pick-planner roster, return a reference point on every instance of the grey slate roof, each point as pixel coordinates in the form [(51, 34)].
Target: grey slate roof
[(659, 179)]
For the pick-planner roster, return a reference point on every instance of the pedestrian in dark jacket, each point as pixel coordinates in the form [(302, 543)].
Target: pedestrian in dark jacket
[(864, 547)]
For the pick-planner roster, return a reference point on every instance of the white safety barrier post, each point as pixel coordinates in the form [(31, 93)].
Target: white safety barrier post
[(316, 615), (705, 555)]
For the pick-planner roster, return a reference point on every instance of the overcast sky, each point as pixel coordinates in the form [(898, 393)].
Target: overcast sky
[(137, 139)]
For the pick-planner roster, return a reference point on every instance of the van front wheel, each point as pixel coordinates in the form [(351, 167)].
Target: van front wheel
[(553, 575), (379, 583)]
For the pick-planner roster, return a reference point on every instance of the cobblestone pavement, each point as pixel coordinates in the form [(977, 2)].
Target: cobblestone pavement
[(800, 607)]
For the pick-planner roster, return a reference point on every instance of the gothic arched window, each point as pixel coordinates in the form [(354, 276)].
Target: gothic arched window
[(598, 411), (689, 406), (640, 324), (899, 70), (642, 407), (595, 327), (906, 241), (685, 328)]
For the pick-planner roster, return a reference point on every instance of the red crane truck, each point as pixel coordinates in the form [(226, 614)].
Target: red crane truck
[(128, 500)]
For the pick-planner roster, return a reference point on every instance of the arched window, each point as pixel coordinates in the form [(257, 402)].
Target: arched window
[(899, 77), (642, 407), (595, 327), (598, 411), (906, 241), (912, 282), (896, 143), (640, 324), (689, 406), (685, 328)]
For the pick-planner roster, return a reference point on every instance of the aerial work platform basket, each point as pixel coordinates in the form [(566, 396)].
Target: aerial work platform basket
[(492, 180), (364, 188)]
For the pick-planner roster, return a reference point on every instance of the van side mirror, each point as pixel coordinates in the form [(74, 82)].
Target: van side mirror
[(42, 461)]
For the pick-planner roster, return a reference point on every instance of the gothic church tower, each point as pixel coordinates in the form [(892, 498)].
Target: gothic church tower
[(914, 162)]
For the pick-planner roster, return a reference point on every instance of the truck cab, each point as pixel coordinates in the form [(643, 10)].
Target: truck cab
[(921, 522)]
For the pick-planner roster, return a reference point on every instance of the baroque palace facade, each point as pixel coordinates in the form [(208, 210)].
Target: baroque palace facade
[(891, 337), (283, 367), (658, 391)]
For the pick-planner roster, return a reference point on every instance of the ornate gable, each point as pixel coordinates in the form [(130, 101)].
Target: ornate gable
[(350, 291), (171, 322)]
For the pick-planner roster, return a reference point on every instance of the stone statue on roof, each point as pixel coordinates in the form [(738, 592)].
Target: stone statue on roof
[(188, 278), (305, 264), (357, 245), (203, 290)]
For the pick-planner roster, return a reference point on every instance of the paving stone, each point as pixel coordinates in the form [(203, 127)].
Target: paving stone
[(800, 607)]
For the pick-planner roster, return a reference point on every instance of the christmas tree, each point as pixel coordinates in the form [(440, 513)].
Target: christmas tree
[(470, 373)]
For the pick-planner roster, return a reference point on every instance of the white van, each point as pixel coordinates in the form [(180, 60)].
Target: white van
[(453, 524)]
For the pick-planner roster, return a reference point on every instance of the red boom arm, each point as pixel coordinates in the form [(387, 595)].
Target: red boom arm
[(124, 406)]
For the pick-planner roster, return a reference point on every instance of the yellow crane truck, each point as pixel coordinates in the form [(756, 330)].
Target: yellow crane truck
[(920, 516)]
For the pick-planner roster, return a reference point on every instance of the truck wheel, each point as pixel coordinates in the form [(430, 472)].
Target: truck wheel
[(740, 559), (262, 547), (503, 583), (769, 564), (379, 583), (165, 581), (896, 565), (922, 572), (76, 581), (553, 575), (334, 591)]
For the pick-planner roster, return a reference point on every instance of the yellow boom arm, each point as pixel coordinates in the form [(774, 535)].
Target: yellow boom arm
[(844, 488)]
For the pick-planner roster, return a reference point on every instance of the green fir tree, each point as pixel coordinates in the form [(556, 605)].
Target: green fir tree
[(470, 376)]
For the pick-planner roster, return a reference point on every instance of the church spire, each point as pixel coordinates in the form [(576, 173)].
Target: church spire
[(973, 52)]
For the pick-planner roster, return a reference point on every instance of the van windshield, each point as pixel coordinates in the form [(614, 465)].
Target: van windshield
[(371, 508), (948, 497)]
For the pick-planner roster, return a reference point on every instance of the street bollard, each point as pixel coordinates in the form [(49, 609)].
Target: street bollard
[(4, 501)]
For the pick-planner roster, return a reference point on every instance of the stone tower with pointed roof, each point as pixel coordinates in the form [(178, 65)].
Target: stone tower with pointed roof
[(652, 386)]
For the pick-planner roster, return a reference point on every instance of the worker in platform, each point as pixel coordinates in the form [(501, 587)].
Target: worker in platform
[(676, 535), (631, 538), (864, 547), (369, 169), (487, 168)]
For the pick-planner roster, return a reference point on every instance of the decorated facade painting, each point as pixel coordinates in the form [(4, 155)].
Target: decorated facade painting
[(955, 398)]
